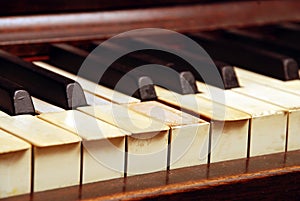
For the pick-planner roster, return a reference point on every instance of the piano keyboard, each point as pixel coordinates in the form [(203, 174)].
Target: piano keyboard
[(74, 131)]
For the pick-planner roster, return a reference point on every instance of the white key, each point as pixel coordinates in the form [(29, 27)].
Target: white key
[(229, 128), (290, 102), (103, 144), (292, 86), (98, 90), (189, 135), (44, 107), (268, 122), (56, 152), (93, 100), (148, 144), (3, 114), (15, 165)]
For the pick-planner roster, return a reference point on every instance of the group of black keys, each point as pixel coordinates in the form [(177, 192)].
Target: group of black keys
[(272, 50)]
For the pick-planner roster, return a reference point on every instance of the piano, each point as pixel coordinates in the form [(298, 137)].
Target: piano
[(43, 45)]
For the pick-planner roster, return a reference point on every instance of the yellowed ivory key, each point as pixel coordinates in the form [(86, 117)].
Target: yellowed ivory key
[(229, 128), (268, 124), (148, 143), (188, 135), (55, 152), (15, 165), (103, 151)]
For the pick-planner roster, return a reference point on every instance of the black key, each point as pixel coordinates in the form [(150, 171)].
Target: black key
[(15, 100), (226, 72), (41, 83), (70, 59), (251, 58), (263, 41), (287, 33), (182, 82)]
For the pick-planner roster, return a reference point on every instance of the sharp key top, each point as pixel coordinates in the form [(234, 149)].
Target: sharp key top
[(15, 165), (103, 154), (268, 122), (189, 136), (148, 144), (229, 127), (15, 100), (290, 102), (226, 72), (292, 86), (70, 58), (181, 81), (55, 151), (41, 83), (263, 41), (248, 57), (91, 87)]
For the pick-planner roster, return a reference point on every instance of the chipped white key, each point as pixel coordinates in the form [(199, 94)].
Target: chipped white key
[(188, 134), (268, 123), (148, 144), (56, 152), (229, 128), (98, 90), (15, 165), (103, 144), (290, 102)]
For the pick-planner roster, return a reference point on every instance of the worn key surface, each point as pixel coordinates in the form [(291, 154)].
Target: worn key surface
[(15, 165), (148, 144), (188, 137), (103, 146), (55, 152), (229, 127), (288, 101), (268, 123), (42, 83)]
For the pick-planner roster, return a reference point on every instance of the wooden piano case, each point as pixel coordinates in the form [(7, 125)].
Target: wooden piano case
[(27, 27)]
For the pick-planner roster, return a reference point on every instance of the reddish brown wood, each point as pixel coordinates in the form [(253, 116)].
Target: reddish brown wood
[(83, 26), (272, 177), (53, 6)]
